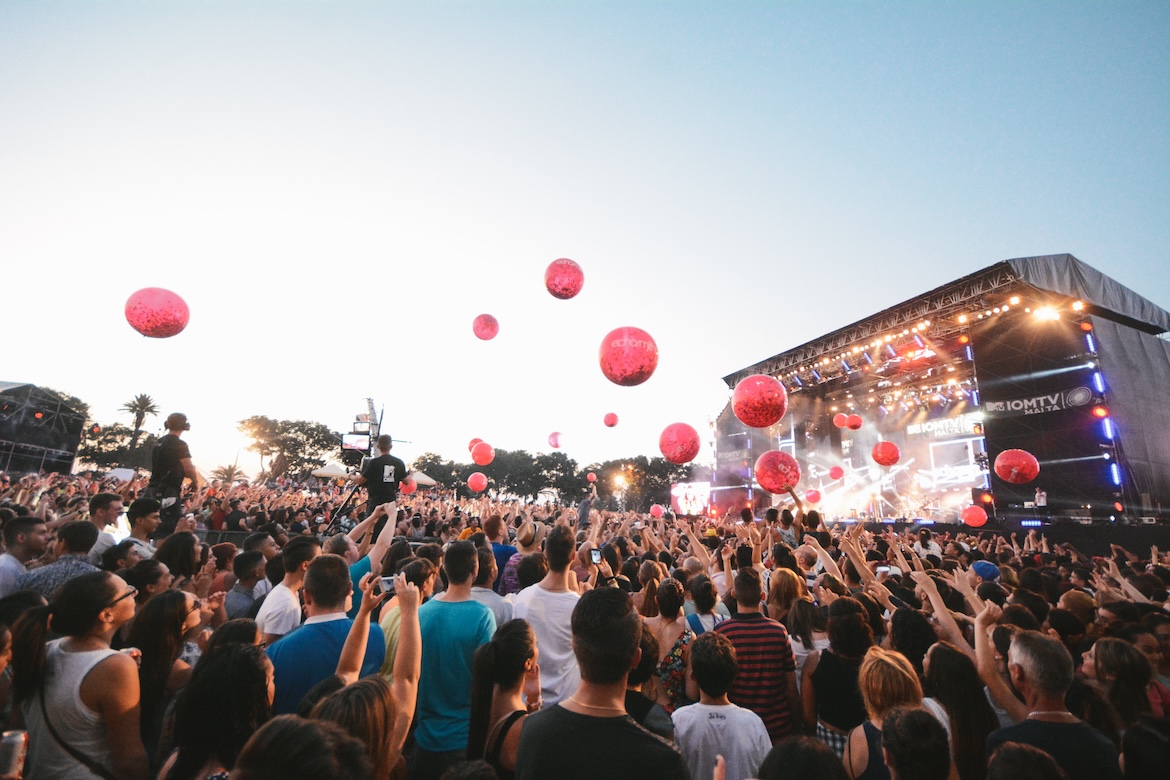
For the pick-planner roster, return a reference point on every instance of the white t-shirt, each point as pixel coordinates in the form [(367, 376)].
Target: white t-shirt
[(703, 731), (104, 542), (550, 614), (10, 570), (280, 613)]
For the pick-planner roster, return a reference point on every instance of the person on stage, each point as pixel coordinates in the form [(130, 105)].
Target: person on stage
[(381, 476)]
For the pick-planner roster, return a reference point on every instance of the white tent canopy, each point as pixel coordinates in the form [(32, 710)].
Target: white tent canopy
[(421, 479), (331, 471)]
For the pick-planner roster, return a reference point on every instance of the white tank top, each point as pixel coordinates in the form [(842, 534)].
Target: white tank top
[(80, 727)]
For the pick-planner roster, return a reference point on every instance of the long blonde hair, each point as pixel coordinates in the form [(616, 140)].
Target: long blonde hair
[(887, 681)]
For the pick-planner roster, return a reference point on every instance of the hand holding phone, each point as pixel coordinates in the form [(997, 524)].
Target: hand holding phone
[(387, 585), (595, 556)]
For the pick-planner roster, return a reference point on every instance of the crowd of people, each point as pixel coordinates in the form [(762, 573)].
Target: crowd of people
[(427, 637)]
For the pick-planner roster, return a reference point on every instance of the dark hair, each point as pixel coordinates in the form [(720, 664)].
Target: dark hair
[(703, 592), (849, 634), (225, 701), (606, 633), (1065, 623), (20, 525), (1146, 746), (916, 745), (670, 598), (713, 663), (417, 571), (17, 603), (177, 551), (1013, 760), (1126, 672), (1019, 616), (299, 550), (648, 662), (952, 679), (141, 508), (470, 770), (802, 620), (327, 581), (246, 563), (102, 501), (531, 569), (256, 541), (274, 570), (498, 662), (559, 546), (485, 558), (1035, 604), (79, 536), (242, 631), (74, 611), (802, 757), (748, 587), (292, 748), (157, 631), (912, 634), (459, 562), (114, 557), (399, 551)]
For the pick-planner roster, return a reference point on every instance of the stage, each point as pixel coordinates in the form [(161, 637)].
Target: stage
[(1043, 354)]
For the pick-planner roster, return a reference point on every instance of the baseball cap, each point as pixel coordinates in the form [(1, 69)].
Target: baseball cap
[(986, 570)]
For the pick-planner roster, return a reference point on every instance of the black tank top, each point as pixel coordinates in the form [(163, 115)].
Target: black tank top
[(839, 702), (492, 756)]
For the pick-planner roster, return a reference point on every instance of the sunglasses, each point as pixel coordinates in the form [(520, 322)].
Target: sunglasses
[(128, 594)]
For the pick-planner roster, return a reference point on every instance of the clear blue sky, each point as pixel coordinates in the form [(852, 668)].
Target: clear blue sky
[(339, 188)]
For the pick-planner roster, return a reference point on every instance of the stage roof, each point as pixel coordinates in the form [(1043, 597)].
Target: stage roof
[(935, 313)]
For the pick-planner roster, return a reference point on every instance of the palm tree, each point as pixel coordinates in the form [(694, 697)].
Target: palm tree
[(140, 407), (229, 474)]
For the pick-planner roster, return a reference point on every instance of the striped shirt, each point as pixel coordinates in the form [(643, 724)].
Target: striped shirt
[(765, 659)]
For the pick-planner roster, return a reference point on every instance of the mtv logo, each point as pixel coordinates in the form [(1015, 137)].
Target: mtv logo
[(995, 406)]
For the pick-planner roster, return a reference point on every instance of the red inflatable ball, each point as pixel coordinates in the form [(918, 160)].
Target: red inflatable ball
[(1017, 466), (471, 444), (886, 453), (482, 454), (759, 401), (656, 510), (628, 356), (840, 419), (157, 313), (679, 443), (836, 472), (477, 482), (554, 440), (812, 496), (485, 327), (853, 422), (591, 477), (610, 420), (563, 278), (407, 486), (777, 471), (974, 516)]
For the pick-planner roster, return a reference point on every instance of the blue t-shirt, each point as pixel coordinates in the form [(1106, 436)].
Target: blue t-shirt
[(309, 653), (451, 632), (503, 553), (356, 572)]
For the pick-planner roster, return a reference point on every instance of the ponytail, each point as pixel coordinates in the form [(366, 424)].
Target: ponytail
[(482, 686), (28, 652)]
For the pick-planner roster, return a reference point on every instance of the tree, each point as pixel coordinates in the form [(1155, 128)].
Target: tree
[(113, 446), (141, 406), (229, 474), (300, 445), (442, 471)]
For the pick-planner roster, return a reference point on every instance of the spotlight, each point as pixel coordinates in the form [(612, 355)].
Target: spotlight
[(1078, 306), (1087, 327), (964, 339), (1015, 300), (1100, 412), (1047, 313), (962, 319)]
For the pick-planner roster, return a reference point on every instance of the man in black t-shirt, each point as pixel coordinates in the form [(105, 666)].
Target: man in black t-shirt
[(170, 464), (381, 476), (589, 735)]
